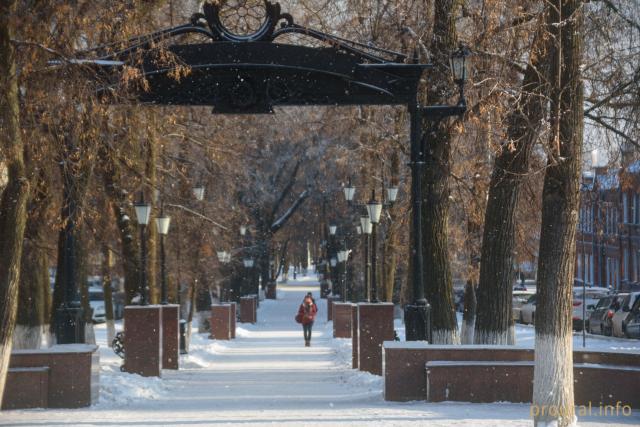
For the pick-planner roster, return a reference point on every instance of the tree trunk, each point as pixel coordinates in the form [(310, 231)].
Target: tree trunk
[(469, 314), (118, 200), (32, 324), (13, 204), (437, 271), (553, 373), (107, 293), (494, 322)]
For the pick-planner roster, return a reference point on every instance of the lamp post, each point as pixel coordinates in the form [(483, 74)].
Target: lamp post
[(343, 256), (224, 258), (365, 224), (374, 208), (248, 264), (143, 210), (162, 223), (417, 315)]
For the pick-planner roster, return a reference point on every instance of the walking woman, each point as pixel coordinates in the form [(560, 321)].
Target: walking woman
[(306, 316)]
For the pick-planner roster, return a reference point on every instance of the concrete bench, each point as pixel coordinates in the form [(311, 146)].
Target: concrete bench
[(26, 388), (73, 373), (491, 381), (404, 363)]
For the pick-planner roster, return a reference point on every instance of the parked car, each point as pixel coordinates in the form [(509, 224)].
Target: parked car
[(621, 317), (600, 318), (518, 299), (633, 324), (96, 301), (528, 311), (591, 297)]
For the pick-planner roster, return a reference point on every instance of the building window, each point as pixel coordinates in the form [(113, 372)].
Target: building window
[(625, 208), (625, 264)]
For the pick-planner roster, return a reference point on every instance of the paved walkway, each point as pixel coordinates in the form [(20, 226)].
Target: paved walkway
[(264, 377)]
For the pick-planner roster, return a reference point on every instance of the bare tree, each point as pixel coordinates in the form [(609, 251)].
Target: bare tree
[(553, 374)]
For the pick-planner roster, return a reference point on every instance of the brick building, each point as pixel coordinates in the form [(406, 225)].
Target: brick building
[(608, 236)]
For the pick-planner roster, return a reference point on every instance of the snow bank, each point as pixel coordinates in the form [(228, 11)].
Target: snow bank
[(119, 389)]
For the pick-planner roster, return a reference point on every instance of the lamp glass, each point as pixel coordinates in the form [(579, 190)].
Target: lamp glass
[(162, 224), (374, 208), (243, 230), (365, 223), (222, 256), (349, 192), (333, 229), (198, 192), (459, 64), (248, 262), (358, 229), (392, 194), (143, 211), (333, 262)]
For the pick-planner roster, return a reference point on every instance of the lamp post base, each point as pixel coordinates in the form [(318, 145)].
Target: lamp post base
[(417, 320), (70, 325)]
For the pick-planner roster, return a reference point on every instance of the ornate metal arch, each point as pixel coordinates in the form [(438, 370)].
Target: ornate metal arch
[(244, 69)]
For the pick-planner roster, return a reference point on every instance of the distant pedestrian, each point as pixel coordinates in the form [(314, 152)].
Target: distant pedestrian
[(306, 316)]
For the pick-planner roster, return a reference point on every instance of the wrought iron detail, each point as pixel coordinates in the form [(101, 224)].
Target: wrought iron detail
[(243, 20), (118, 344)]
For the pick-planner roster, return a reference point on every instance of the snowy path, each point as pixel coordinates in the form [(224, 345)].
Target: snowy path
[(267, 377)]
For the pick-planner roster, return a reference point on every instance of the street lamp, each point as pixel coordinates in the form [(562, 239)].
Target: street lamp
[(243, 230), (343, 256), (417, 315), (224, 257), (333, 229), (374, 208), (143, 211), (198, 192), (349, 191), (392, 194), (162, 224), (366, 226), (459, 65)]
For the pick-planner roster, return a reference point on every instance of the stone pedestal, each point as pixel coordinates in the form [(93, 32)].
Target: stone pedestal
[(170, 336), (220, 322), (341, 320), (143, 340), (234, 309), (330, 301), (271, 291), (248, 310), (375, 325), (354, 336)]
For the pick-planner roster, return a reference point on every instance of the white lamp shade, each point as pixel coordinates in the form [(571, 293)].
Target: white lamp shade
[(333, 229), (392, 194), (365, 223), (143, 211), (243, 230), (248, 262), (198, 192), (224, 256), (349, 192), (333, 262), (343, 255), (163, 224), (374, 208), (358, 229)]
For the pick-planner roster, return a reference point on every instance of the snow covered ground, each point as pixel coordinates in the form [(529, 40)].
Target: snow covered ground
[(267, 377)]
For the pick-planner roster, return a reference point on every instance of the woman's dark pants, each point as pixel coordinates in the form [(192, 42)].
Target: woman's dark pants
[(307, 331)]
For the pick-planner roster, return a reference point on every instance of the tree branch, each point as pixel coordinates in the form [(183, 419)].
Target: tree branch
[(277, 225)]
